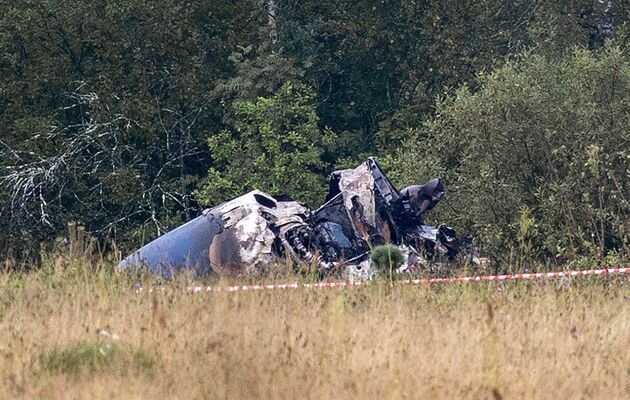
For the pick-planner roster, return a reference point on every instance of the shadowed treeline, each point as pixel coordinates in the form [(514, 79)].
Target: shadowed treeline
[(128, 117)]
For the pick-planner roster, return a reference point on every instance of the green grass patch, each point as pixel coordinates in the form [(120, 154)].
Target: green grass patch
[(97, 357)]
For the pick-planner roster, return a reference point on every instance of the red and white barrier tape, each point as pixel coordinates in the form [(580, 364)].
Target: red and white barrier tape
[(466, 279)]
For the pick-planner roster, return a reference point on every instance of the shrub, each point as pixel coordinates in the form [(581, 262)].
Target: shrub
[(273, 144), (387, 257), (546, 136)]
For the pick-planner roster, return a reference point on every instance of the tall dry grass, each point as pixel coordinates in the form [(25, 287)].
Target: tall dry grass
[(79, 332)]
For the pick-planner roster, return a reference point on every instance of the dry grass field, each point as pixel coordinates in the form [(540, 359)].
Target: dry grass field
[(80, 333)]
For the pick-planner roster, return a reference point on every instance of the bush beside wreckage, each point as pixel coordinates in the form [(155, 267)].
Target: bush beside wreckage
[(363, 209)]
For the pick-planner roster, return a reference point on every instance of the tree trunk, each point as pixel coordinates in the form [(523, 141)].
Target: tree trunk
[(602, 26), (272, 10)]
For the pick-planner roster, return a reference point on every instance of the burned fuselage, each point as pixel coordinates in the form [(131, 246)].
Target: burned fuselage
[(247, 235)]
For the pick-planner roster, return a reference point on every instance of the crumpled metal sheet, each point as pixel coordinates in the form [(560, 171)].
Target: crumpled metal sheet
[(184, 248), (234, 238), (357, 185), (245, 246)]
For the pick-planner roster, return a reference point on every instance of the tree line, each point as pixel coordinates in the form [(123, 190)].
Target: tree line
[(130, 116)]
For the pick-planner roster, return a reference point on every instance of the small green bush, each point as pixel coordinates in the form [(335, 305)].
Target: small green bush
[(387, 257)]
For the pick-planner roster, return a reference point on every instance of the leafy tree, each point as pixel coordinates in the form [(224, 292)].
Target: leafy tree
[(119, 95), (539, 154), (377, 66), (273, 144)]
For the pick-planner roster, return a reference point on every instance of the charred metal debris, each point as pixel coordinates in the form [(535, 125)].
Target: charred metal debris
[(363, 209)]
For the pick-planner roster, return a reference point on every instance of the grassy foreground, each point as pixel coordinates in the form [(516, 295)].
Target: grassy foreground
[(77, 334)]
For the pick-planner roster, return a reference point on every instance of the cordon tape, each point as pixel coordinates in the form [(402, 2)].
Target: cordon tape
[(464, 279)]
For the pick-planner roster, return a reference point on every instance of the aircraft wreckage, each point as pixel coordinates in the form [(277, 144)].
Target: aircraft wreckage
[(251, 233)]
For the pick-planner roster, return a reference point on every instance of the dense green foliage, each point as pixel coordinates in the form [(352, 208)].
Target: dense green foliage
[(113, 114), (274, 145), (539, 156), (105, 109)]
